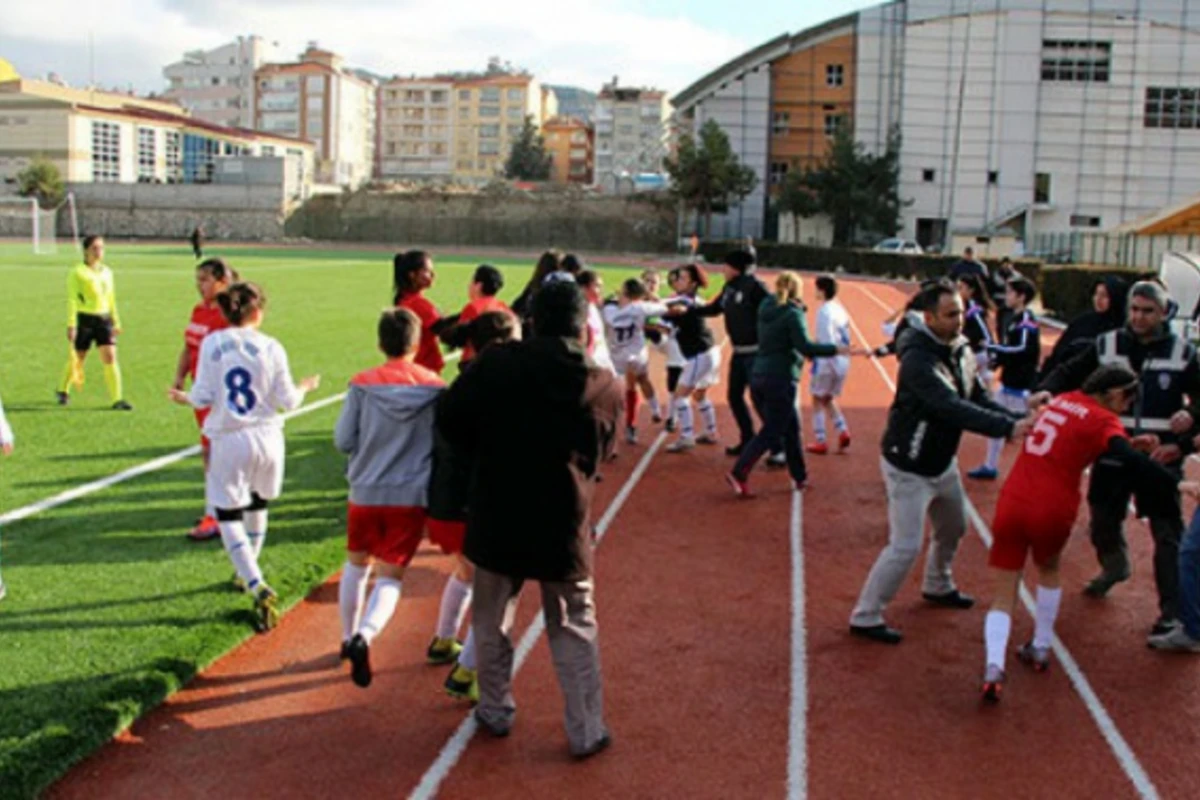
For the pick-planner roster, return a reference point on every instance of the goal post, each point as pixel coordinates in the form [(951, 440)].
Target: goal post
[(23, 219)]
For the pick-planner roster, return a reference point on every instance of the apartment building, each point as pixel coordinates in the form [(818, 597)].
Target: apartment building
[(489, 114), (571, 144), (634, 134), (416, 129), (318, 100), (218, 85)]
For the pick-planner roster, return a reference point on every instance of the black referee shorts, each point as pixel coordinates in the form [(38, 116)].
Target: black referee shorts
[(93, 329)]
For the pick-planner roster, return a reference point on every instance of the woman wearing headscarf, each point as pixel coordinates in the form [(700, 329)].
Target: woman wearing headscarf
[(1107, 314)]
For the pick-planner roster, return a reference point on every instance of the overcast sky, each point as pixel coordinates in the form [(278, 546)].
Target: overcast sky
[(662, 43)]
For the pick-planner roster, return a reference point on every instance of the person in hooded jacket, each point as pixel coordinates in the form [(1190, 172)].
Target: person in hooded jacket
[(1107, 314)]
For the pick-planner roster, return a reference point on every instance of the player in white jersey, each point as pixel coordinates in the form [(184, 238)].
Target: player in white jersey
[(829, 374), (243, 378), (626, 320), (593, 288)]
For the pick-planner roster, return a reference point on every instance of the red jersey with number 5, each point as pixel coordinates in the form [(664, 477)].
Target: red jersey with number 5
[(1070, 434)]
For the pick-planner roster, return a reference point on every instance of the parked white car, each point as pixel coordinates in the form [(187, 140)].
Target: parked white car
[(899, 246)]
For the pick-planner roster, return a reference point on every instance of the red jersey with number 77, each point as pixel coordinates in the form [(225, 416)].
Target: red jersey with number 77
[(1071, 432)]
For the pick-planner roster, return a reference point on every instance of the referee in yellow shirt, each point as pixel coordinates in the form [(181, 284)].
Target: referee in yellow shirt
[(92, 318)]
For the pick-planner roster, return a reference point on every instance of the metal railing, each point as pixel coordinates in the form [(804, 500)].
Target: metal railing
[(1129, 250)]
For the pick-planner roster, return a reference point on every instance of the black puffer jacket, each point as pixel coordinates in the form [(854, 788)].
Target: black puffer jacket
[(1084, 329), (739, 301), (938, 396)]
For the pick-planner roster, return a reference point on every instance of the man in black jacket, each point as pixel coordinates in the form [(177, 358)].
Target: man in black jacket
[(938, 396), (1169, 386), (535, 419), (739, 300)]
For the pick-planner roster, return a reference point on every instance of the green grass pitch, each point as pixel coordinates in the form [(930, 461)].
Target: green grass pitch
[(110, 609)]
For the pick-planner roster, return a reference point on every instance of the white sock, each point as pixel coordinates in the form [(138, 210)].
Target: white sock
[(1045, 613), (380, 607), (256, 529), (655, 408), (352, 593), (683, 410), (455, 598), (241, 552), (708, 413), (819, 426), (467, 657), (839, 422), (996, 627), (993, 453)]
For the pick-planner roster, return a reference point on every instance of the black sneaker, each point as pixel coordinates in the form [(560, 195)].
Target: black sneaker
[(62, 397), (736, 450), (1103, 583), (121, 405), (359, 653), (344, 654), (1164, 625)]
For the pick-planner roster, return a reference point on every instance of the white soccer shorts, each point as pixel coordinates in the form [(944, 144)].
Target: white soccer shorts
[(827, 383), (702, 371), (638, 362), (244, 462)]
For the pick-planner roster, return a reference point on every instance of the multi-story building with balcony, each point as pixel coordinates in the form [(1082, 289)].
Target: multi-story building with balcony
[(634, 134), (218, 85), (416, 129), (318, 100), (571, 144), (489, 114)]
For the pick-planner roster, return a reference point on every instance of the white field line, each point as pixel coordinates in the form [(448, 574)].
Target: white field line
[(1108, 728), (456, 745), (797, 778), (154, 465)]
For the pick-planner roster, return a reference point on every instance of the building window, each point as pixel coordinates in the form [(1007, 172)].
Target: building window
[(438, 131), (624, 130), (464, 112), (413, 131), (464, 95), (315, 84), (268, 150), (489, 111), (516, 112), (414, 96), (1172, 107), (1041, 188), (516, 95), (779, 172), (391, 148), (174, 153), (315, 126), (439, 97), (216, 81), (928, 175), (464, 148), (515, 130), (993, 178), (439, 114), (147, 155), (465, 164), (780, 121), (438, 149), (489, 131), (833, 123), (414, 113), (106, 152), (1073, 61), (1084, 221), (490, 95), (489, 148), (625, 147), (835, 74)]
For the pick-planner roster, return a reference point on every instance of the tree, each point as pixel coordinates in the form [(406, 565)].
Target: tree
[(41, 180), (857, 190), (707, 173), (528, 160)]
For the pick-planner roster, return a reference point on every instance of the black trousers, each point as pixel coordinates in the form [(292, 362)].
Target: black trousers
[(1108, 497), (741, 367)]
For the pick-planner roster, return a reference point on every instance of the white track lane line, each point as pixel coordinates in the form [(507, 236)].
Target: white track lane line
[(456, 745), (1108, 728), (797, 779)]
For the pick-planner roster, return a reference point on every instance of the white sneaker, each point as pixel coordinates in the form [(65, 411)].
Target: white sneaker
[(681, 445), (1175, 641)]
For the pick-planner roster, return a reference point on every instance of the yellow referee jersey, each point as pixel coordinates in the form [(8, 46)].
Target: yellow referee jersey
[(90, 290)]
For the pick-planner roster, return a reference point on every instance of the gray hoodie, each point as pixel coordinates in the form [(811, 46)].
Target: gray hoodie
[(387, 430)]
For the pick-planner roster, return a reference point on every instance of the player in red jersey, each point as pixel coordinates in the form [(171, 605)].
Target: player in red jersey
[(412, 274), (212, 277), (455, 331), (1038, 504)]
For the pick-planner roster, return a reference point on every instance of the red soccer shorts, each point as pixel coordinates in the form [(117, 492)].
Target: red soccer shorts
[(201, 415), (1024, 527), (448, 535), (391, 534)]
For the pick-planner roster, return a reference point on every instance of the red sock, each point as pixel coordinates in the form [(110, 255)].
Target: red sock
[(631, 407)]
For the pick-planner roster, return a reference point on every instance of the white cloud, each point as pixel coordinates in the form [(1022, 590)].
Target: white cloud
[(582, 42)]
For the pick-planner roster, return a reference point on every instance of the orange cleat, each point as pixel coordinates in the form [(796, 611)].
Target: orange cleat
[(205, 529), (818, 448), (843, 442)]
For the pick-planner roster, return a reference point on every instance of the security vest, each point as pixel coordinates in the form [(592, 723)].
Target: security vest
[(1160, 365)]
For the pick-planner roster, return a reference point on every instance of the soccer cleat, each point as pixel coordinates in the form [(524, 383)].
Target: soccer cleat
[(359, 653), (740, 487), (1036, 658), (984, 473), (239, 585), (707, 438), (62, 398), (442, 651), (630, 435), (206, 528), (776, 461), (1176, 640), (463, 684), (681, 445), (843, 442), (344, 653), (121, 405), (993, 684), (264, 608), (656, 418), (817, 449), (670, 424)]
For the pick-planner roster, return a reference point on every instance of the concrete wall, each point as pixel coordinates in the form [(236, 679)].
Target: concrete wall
[(152, 211)]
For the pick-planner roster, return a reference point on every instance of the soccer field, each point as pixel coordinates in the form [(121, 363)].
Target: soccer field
[(110, 608)]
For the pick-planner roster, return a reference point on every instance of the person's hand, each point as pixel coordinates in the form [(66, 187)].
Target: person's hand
[(1182, 422), (844, 350), (1146, 443), (1190, 489), (178, 384), (6, 448), (1022, 427), (676, 309), (863, 352), (309, 384), (1167, 454), (70, 334), (116, 331), (178, 396), (1039, 399)]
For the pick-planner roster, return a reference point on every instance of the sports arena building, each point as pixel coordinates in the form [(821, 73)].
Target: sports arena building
[(1036, 116)]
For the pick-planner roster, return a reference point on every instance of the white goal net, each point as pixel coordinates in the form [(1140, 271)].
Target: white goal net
[(21, 218)]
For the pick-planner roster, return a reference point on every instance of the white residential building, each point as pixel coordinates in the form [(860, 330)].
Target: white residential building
[(416, 129), (218, 85), (634, 134)]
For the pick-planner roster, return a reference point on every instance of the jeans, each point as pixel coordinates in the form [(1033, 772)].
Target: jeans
[(776, 396), (1189, 579)]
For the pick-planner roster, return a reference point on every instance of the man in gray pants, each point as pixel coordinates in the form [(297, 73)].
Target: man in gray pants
[(938, 396), (535, 420)]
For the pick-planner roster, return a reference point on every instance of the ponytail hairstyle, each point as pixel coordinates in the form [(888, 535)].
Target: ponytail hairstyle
[(403, 267), (788, 288), (550, 261), (219, 270), (696, 274), (239, 302)]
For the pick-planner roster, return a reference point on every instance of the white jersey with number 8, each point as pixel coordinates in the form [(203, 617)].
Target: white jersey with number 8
[(242, 377)]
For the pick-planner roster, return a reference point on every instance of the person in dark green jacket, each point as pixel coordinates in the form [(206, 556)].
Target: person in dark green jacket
[(783, 344)]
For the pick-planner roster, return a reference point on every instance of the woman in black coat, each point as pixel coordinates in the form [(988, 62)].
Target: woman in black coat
[(1107, 314)]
